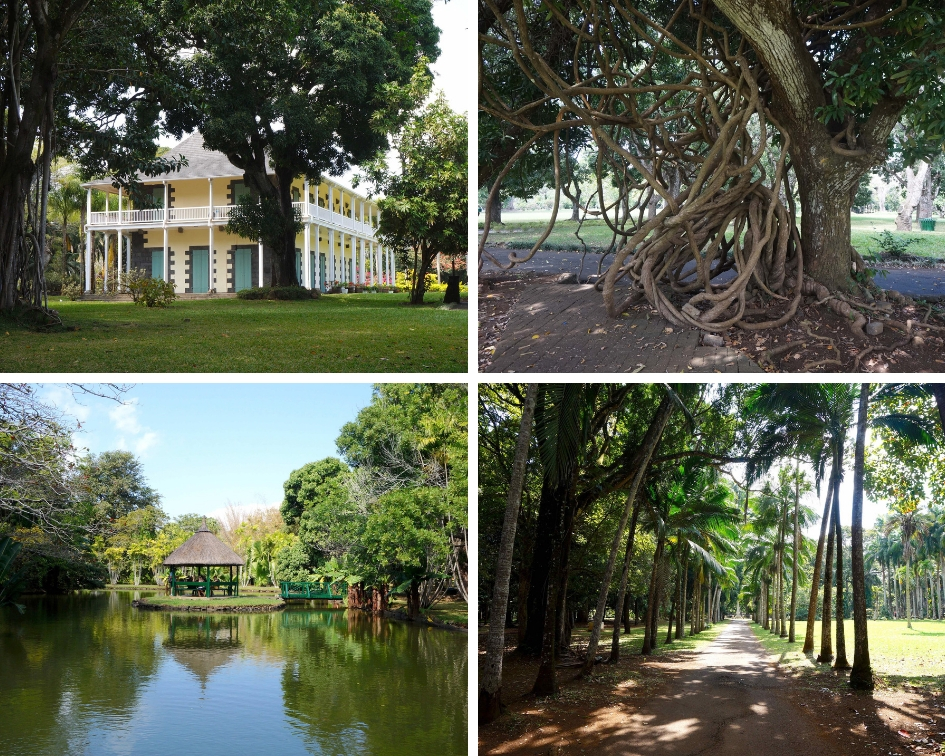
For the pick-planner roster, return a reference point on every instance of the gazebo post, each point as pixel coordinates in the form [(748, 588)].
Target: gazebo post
[(207, 592), (173, 581)]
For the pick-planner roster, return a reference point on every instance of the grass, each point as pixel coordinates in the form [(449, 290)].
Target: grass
[(451, 612), (898, 655), (632, 642), (223, 601), (370, 333), (523, 232)]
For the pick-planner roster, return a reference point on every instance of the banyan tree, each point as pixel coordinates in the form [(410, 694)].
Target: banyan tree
[(706, 118)]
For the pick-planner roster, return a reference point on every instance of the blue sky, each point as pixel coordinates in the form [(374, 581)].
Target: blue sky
[(205, 445)]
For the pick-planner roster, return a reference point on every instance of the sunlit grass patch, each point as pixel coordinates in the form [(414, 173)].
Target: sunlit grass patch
[(898, 655)]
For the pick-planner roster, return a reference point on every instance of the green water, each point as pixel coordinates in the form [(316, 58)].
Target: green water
[(90, 674)]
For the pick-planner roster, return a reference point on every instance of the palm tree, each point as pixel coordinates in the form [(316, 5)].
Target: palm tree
[(490, 690), (67, 200), (912, 523), (691, 509), (810, 421)]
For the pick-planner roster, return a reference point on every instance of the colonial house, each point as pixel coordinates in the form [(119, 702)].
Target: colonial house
[(180, 238)]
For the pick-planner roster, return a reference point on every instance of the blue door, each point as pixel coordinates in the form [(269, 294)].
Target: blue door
[(157, 263), (200, 270), (242, 268), (321, 271), (298, 265), (312, 270)]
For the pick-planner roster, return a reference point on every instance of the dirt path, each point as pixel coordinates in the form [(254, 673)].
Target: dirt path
[(726, 701)]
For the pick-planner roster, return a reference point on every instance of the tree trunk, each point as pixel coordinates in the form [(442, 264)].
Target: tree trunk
[(648, 643), (641, 462), (496, 209), (795, 547), (826, 173), (549, 506), (413, 601), (682, 597), (546, 682), (914, 182), (815, 580), (420, 277), (841, 662), (924, 208), (623, 597), (826, 643), (490, 689)]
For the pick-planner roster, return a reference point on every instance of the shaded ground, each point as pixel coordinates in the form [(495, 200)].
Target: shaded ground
[(528, 323), (726, 698)]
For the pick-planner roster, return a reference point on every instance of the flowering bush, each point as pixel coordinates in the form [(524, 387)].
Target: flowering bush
[(404, 282)]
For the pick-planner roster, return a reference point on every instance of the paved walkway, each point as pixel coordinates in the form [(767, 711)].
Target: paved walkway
[(728, 702), (561, 328), (918, 283)]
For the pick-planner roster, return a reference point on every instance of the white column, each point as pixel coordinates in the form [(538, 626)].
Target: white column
[(167, 258), (331, 200), (332, 275), (105, 259), (88, 241), (437, 267), (167, 251), (119, 244), (210, 279), (260, 263), (305, 197), (128, 256), (307, 249), (393, 269), (362, 278), (375, 265), (318, 266)]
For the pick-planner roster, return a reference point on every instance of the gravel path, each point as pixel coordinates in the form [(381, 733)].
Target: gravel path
[(726, 702)]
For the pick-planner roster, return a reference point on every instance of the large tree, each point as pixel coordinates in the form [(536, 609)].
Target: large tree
[(311, 89), (425, 206), (720, 110)]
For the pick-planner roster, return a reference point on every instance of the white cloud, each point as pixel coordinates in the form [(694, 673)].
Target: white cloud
[(125, 417), (135, 436), (63, 399)]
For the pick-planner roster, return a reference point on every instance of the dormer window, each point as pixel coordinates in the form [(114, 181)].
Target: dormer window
[(152, 196)]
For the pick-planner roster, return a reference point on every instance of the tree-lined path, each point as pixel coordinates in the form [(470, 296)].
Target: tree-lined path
[(726, 700)]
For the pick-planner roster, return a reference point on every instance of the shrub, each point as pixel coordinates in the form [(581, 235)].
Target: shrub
[(894, 246), (404, 283), (153, 292), (278, 292), (133, 283), (72, 290)]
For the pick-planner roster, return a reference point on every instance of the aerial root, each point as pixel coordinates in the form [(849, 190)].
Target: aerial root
[(839, 305)]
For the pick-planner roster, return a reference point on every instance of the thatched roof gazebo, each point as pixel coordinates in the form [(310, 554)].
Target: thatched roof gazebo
[(202, 551)]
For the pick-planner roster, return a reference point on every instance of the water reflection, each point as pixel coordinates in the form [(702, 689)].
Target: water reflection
[(88, 674)]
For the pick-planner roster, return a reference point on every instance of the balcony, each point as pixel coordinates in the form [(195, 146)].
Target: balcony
[(200, 216)]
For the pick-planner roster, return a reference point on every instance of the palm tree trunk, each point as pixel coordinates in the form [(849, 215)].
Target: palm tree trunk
[(681, 605), (795, 547), (648, 639), (622, 595), (641, 462), (826, 644), (861, 677), (908, 587), (841, 662), (815, 580), (490, 689)]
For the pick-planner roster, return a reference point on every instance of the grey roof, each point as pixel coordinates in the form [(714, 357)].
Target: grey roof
[(201, 163), (203, 549)]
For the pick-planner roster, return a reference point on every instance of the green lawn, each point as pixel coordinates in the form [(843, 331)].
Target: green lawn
[(451, 612), (897, 654), (632, 642), (371, 333), (863, 230)]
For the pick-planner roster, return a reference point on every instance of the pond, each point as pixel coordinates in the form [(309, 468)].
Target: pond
[(90, 674)]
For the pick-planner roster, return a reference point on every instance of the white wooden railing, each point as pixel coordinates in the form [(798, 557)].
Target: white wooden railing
[(154, 216)]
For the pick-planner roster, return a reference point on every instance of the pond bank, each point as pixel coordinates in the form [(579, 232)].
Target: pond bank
[(224, 604)]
